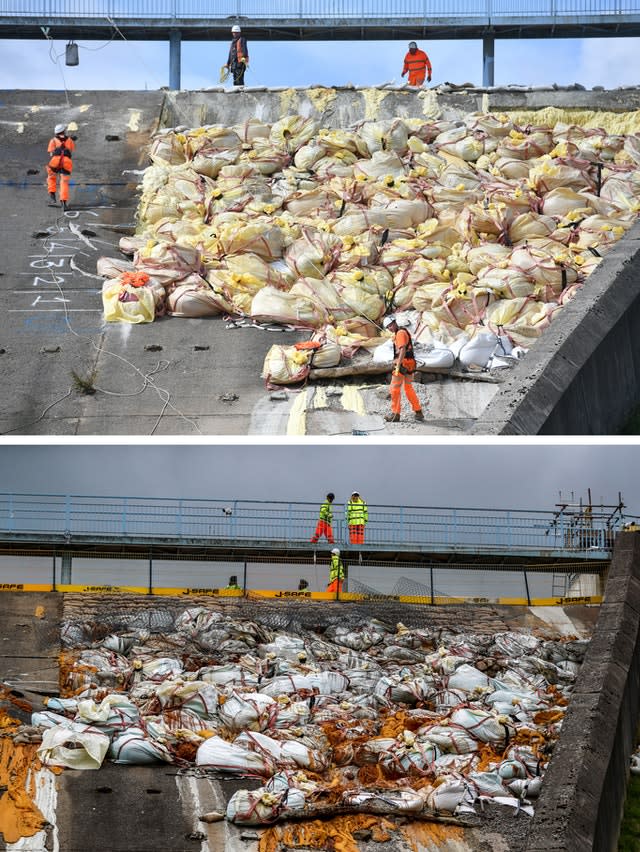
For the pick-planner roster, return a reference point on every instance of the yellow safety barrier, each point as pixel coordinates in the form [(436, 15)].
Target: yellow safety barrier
[(285, 594)]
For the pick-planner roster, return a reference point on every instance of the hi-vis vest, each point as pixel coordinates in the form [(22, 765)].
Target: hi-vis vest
[(325, 512), (61, 151), (336, 572), (357, 513)]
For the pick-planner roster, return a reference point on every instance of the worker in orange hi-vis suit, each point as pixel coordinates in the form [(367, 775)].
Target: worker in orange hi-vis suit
[(60, 150), (417, 63), (404, 367)]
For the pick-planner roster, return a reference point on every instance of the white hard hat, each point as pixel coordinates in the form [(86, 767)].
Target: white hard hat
[(235, 29), (387, 321), (59, 128), (336, 550)]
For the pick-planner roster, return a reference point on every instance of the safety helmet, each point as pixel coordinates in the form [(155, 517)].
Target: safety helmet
[(412, 44), (336, 550), (235, 29), (59, 128), (387, 321), (355, 493)]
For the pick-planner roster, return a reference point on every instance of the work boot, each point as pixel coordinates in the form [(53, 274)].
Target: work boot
[(52, 196), (64, 206), (392, 418), (418, 415)]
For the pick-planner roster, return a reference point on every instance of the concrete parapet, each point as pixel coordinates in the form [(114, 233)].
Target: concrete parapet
[(583, 795)]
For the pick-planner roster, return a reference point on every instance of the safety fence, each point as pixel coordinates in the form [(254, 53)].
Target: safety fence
[(434, 583), (260, 523), (491, 10)]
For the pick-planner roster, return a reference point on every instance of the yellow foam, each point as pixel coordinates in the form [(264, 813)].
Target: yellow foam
[(321, 98), (372, 100), (352, 400), (615, 123), (297, 423)]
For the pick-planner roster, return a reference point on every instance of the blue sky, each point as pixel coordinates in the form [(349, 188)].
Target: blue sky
[(145, 65)]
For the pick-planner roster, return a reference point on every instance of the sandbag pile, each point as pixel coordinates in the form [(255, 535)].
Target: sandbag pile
[(363, 716), (477, 226)]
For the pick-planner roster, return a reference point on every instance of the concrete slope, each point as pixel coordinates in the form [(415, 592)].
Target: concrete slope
[(166, 376), (191, 377)]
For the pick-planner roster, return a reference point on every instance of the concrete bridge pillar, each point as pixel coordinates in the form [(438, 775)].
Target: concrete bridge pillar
[(65, 572), (488, 58), (175, 41)]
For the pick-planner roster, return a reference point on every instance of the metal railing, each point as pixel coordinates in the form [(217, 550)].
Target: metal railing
[(293, 523), (319, 9)]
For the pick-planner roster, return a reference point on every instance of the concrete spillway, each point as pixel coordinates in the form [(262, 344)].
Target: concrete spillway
[(196, 376)]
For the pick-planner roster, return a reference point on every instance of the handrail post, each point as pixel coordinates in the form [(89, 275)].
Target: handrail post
[(234, 516), (431, 583), (124, 515), (402, 541), (150, 591), (179, 525), (67, 513), (526, 585)]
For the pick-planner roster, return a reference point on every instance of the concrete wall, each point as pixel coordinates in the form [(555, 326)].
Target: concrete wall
[(582, 798), (341, 107)]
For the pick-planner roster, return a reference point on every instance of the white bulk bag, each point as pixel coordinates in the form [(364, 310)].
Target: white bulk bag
[(230, 759), (249, 710), (134, 747), (74, 746)]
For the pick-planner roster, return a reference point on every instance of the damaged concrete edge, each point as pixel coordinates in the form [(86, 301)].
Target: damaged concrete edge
[(583, 375), (583, 795)]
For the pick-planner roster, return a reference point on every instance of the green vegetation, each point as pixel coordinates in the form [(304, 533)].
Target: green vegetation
[(630, 831), (84, 384)]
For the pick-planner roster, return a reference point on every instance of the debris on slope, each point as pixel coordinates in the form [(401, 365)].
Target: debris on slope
[(476, 231), (354, 717)]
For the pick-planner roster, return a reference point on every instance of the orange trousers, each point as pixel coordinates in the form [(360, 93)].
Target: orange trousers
[(64, 183), (356, 533), (399, 381), (336, 586), (323, 529), (416, 78)]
